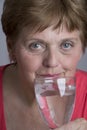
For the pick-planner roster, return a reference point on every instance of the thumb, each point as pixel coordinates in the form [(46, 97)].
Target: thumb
[(78, 124)]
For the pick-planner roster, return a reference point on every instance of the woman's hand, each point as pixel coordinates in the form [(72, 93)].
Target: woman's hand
[(79, 124)]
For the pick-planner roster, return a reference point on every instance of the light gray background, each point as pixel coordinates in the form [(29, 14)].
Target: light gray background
[(4, 59)]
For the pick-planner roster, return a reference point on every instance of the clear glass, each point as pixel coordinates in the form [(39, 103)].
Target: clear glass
[(56, 98)]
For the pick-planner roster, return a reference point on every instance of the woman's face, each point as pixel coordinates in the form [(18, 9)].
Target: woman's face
[(48, 53)]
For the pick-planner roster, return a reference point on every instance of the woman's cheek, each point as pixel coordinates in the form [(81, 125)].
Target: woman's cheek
[(70, 64), (34, 64)]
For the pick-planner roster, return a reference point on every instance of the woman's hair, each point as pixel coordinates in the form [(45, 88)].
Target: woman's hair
[(37, 15)]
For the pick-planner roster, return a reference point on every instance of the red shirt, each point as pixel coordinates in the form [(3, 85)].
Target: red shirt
[(81, 95), (2, 119), (80, 109)]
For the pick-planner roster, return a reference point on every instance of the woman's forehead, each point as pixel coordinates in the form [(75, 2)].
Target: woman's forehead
[(50, 33)]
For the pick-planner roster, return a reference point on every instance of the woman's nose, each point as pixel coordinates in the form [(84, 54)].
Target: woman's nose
[(51, 60)]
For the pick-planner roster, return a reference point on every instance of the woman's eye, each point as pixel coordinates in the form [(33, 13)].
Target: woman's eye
[(37, 47), (66, 45)]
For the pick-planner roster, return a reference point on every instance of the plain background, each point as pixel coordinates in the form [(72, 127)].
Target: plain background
[(4, 58)]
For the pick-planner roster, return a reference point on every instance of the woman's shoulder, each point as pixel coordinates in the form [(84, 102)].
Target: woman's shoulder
[(81, 80), (2, 125), (81, 74), (2, 68), (1, 71)]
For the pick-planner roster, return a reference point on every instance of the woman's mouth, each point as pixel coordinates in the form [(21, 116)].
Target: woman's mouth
[(51, 75)]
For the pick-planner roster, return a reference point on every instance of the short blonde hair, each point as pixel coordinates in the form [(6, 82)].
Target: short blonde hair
[(40, 14)]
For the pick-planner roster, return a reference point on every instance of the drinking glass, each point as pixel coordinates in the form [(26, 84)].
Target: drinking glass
[(56, 98)]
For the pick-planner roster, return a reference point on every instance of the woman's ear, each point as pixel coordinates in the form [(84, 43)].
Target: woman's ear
[(11, 50)]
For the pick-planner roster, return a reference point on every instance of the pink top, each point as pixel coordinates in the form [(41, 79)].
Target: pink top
[(80, 110), (2, 119)]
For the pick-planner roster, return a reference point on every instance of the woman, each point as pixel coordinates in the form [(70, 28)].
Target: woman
[(44, 37)]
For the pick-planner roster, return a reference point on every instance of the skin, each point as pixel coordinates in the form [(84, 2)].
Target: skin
[(79, 124), (46, 53), (50, 52)]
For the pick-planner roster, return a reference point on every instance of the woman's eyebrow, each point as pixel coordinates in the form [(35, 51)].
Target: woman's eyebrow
[(34, 39), (69, 39)]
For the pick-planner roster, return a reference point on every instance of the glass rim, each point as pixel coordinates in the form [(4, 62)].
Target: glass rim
[(41, 77)]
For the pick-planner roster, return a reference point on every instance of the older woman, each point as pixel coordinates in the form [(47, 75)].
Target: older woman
[(44, 37)]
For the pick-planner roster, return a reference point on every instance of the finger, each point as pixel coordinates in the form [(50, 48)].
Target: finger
[(79, 124)]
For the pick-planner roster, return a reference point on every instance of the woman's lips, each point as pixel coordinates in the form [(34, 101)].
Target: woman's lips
[(50, 75)]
